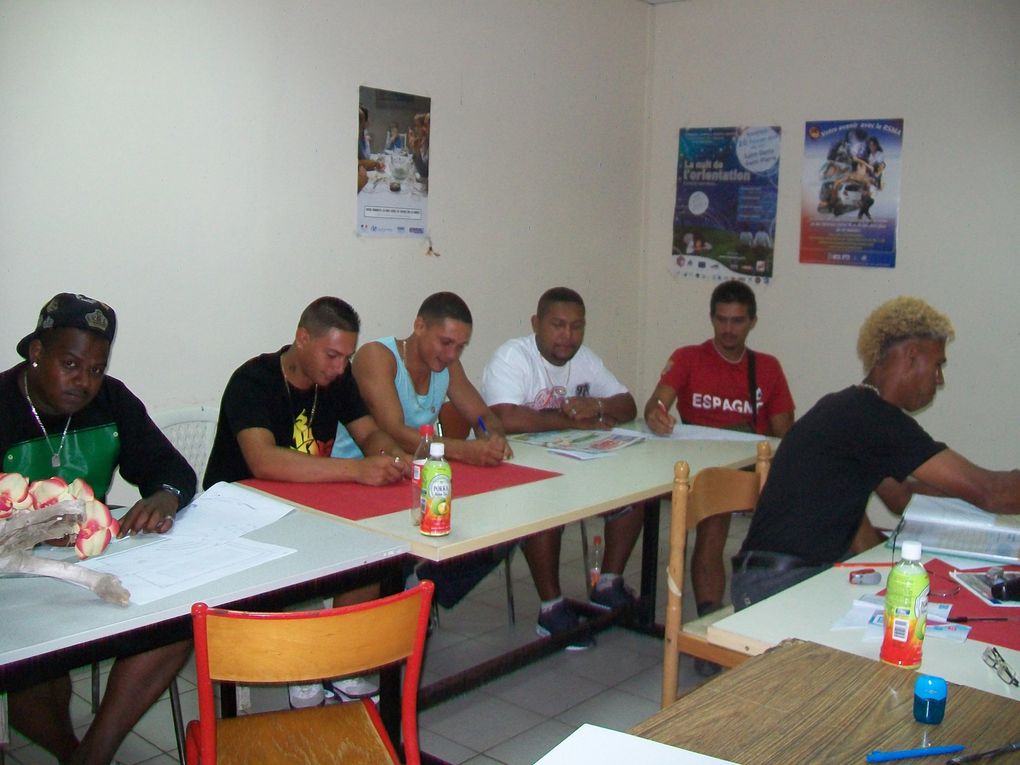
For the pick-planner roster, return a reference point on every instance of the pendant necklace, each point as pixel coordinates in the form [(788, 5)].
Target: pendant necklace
[(286, 387), (421, 398), (54, 455), (562, 390)]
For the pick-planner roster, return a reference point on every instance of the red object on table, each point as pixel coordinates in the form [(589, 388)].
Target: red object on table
[(966, 603), (355, 502)]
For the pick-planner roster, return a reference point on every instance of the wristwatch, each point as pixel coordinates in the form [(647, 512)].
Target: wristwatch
[(173, 490)]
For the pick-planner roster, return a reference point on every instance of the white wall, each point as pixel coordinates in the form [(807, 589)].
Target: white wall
[(950, 69), (192, 164)]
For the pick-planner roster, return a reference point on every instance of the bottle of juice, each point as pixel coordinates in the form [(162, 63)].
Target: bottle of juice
[(906, 609), (418, 462), (436, 492)]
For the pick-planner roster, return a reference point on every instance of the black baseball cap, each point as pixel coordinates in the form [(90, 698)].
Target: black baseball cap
[(74, 312)]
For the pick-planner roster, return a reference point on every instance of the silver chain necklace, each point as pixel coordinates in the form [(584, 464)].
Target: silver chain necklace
[(54, 455), (871, 387), (286, 387)]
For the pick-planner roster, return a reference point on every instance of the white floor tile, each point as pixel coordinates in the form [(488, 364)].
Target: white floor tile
[(532, 745), (611, 709), (478, 721)]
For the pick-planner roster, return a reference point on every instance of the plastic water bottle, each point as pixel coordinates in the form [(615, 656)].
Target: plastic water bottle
[(436, 492), (596, 561), (420, 455), (906, 609)]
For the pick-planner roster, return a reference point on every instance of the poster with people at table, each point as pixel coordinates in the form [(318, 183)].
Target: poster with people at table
[(850, 192), (724, 221), (393, 163)]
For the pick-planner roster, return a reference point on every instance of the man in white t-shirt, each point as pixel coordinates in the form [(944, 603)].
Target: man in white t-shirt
[(550, 381)]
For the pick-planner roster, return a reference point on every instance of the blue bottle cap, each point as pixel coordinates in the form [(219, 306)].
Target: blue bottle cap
[(930, 687)]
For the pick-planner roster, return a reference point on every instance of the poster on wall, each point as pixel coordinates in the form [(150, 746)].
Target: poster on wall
[(393, 163), (724, 222), (850, 192)]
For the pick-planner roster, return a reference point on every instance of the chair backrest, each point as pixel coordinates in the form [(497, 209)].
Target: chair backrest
[(191, 430), (256, 647), (714, 491)]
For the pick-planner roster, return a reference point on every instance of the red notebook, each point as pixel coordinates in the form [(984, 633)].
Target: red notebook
[(356, 502)]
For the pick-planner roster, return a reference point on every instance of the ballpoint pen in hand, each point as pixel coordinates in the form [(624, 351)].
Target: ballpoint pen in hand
[(481, 426), (985, 755)]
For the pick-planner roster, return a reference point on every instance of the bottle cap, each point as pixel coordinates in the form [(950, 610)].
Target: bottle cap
[(437, 449), (426, 430), (910, 550)]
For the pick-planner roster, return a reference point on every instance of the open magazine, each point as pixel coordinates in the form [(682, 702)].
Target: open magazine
[(955, 527), (581, 443)]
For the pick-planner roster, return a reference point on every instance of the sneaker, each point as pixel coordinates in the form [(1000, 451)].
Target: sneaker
[(302, 696), (559, 619), (614, 596), (356, 687)]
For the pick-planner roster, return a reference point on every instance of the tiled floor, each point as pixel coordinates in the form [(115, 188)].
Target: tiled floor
[(514, 720)]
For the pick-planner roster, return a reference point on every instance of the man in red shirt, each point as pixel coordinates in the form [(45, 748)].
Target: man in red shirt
[(721, 383)]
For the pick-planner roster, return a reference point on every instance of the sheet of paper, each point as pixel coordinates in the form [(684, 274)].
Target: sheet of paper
[(593, 744), (683, 432), (581, 442), (173, 564), (227, 511)]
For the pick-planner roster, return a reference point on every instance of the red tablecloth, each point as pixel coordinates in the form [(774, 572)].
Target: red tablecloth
[(966, 603), (356, 502)]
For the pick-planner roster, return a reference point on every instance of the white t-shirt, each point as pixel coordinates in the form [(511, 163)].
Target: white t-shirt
[(517, 374)]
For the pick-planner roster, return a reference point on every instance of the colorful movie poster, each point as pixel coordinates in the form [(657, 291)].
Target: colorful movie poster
[(393, 163), (724, 222), (850, 192)]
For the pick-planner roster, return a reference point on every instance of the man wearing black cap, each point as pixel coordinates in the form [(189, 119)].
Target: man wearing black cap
[(61, 415)]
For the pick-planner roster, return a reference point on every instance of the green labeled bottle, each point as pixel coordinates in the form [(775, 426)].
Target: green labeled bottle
[(436, 492), (906, 609)]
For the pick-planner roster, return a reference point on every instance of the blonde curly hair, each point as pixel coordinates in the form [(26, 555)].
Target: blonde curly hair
[(901, 318)]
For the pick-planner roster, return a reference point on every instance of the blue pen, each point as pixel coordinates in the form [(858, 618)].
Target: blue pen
[(481, 426), (906, 754)]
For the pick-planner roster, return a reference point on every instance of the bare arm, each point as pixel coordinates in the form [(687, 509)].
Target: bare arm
[(490, 446), (374, 369), (996, 491), (605, 411), (278, 463), (657, 418), (780, 423)]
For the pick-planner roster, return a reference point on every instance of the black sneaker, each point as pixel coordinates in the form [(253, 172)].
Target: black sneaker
[(614, 597), (559, 619)]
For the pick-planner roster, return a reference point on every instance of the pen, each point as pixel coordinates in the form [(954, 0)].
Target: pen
[(481, 426), (849, 564), (965, 619), (906, 754)]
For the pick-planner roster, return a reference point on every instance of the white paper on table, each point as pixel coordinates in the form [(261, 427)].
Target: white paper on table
[(863, 609), (227, 511), (590, 743), (684, 432), (178, 563), (956, 633)]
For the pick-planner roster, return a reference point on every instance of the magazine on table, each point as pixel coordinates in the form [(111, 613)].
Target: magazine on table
[(954, 527)]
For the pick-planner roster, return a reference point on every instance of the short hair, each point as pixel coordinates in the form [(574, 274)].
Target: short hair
[(896, 320), (328, 313), (444, 305), (557, 295), (734, 291)]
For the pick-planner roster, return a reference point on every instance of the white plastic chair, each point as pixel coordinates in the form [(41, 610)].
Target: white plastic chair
[(191, 429)]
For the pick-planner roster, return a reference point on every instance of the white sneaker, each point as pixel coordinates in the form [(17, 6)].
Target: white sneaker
[(302, 696), (356, 687)]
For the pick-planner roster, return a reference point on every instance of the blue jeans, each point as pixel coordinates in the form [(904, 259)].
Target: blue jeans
[(753, 584)]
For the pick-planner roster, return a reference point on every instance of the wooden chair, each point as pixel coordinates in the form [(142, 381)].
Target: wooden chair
[(303, 646), (714, 491)]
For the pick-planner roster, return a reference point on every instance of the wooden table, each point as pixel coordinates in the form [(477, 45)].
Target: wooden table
[(805, 703)]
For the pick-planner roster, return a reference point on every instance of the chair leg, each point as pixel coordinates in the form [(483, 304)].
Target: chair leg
[(585, 557), (511, 613), (175, 711), (95, 687)]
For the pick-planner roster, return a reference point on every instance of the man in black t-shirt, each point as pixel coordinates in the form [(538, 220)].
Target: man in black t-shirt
[(280, 411), (862, 439)]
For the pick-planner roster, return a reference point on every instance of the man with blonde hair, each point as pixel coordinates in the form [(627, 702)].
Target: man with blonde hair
[(856, 441)]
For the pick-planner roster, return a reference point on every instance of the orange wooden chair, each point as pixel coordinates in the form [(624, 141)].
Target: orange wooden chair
[(303, 646), (714, 491)]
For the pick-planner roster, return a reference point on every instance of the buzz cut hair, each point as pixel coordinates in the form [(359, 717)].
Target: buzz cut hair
[(328, 313), (902, 318), (558, 295), (734, 291), (440, 306)]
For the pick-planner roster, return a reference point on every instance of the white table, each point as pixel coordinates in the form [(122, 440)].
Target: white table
[(45, 622), (585, 488), (809, 609)]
